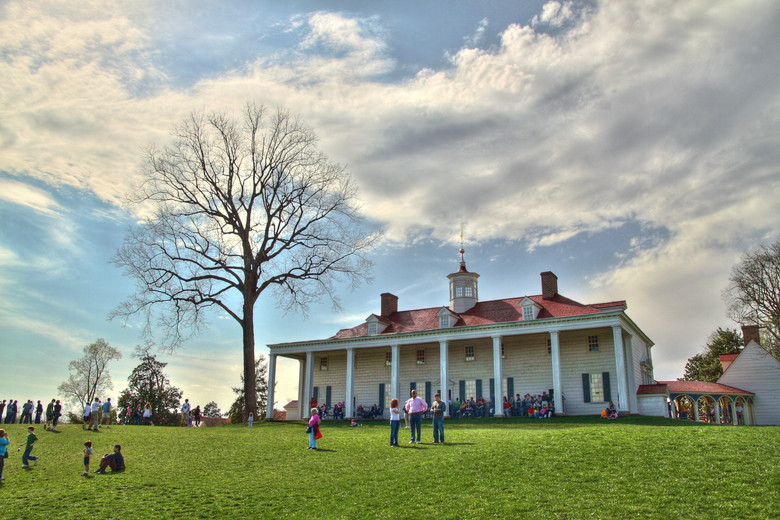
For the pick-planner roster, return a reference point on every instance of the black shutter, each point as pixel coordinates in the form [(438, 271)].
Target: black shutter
[(607, 389), (412, 386), (462, 390), (586, 387), (428, 396), (327, 396), (381, 401), (479, 388), (510, 386), (493, 390), (315, 392)]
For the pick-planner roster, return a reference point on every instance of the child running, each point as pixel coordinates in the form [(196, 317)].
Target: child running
[(87, 454), (31, 440)]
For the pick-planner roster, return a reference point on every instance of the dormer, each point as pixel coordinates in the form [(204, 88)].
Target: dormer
[(447, 318), (529, 308), (463, 288), (376, 325)]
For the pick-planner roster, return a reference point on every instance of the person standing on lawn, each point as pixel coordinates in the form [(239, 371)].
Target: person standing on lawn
[(31, 440), (106, 418), (416, 406), (38, 412), (395, 421), (314, 427), (87, 454), (4, 442), (94, 419), (438, 408), (49, 415), (185, 413), (87, 416)]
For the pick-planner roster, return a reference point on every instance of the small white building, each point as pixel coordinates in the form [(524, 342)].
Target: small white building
[(756, 371), (588, 354)]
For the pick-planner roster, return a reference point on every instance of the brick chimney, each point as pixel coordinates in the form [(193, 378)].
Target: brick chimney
[(750, 332), (549, 285), (389, 304)]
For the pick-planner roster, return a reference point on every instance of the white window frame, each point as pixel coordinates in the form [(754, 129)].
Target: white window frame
[(470, 355), (324, 363), (528, 313), (444, 322), (458, 292), (596, 388), (593, 343), (388, 358), (468, 291), (421, 357), (373, 328)]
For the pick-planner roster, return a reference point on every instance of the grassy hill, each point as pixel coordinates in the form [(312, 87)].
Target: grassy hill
[(504, 468)]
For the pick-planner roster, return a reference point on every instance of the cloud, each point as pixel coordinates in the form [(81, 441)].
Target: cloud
[(479, 34), (28, 196), (661, 113)]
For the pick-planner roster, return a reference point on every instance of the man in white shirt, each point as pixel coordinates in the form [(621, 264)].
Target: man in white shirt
[(185, 412), (416, 406), (95, 417)]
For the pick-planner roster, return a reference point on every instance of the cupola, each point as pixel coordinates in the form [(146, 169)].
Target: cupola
[(463, 288)]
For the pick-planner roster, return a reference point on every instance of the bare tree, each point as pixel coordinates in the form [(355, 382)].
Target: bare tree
[(89, 376), (239, 207), (753, 294)]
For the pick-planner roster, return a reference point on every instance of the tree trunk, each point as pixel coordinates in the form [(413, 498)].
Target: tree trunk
[(250, 379)]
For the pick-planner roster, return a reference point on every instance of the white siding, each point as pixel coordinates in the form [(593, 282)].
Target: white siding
[(756, 371), (653, 405), (577, 360)]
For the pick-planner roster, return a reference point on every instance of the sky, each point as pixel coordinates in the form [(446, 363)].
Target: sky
[(631, 147)]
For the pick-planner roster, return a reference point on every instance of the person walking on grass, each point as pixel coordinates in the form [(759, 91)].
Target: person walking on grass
[(30, 442), (416, 406), (106, 417), (438, 408), (87, 455), (395, 422), (251, 419), (87, 416), (94, 419), (314, 428), (57, 415), (4, 442)]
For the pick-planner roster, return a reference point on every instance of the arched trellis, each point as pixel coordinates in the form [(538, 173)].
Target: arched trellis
[(721, 408)]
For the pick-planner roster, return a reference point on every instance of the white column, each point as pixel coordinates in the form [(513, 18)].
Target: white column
[(395, 372), (733, 407), (443, 372), (696, 411), (269, 414), (717, 411), (620, 367), (555, 352), (309, 384), (301, 389), (631, 383), (348, 412), (498, 405)]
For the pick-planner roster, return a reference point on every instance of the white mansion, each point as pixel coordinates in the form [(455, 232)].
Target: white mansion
[(588, 354)]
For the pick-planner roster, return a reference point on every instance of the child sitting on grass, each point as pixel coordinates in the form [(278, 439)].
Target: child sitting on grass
[(87, 453)]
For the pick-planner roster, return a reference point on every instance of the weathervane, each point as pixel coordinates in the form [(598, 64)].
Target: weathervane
[(462, 235)]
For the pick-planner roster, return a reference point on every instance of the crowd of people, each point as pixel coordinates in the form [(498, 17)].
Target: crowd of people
[(31, 413)]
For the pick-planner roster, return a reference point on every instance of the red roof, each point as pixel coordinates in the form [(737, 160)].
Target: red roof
[(483, 313), (727, 359), (700, 387), (658, 388)]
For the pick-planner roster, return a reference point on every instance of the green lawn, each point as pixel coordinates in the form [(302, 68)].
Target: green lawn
[(504, 468)]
